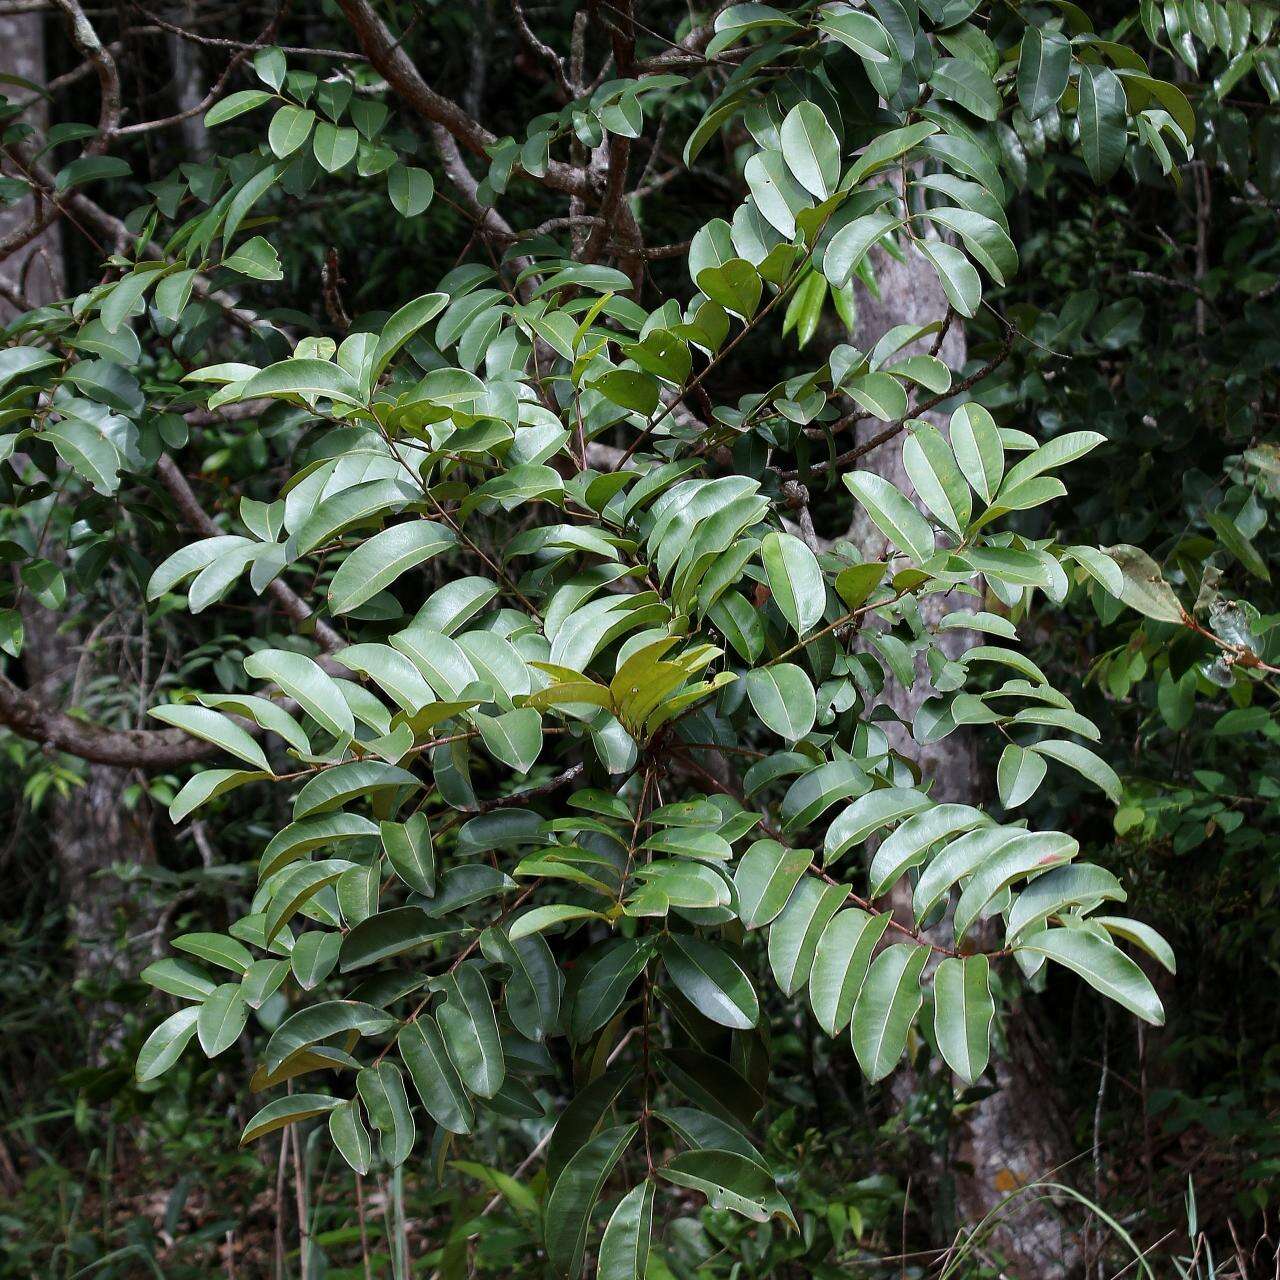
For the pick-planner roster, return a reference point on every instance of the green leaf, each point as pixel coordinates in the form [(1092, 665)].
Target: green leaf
[(217, 949), (89, 169), (853, 242), (540, 919), (410, 190), (867, 814), (411, 854), (285, 1111), (209, 726), (395, 932), (298, 838), (270, 66), (624, 1250), (470, 1032), (247, 195), (290, 127), (1044, 68), (886, 148), (811, 149), (402, 326), (783, 697), (735, 285), (794, 935), (381, 1089), (1141, 935), (256, 259), (955, 860), (180, 978), (368, 500), (1144, 586), (308, 685), (1084, 762), (778, 196), (434, 1075), (304, 376), (840, 965), (729, 1181), (514, 738), (19, 362), (892, 513), (967, 84), (932, 470), (880, 394), (630, 389), (886, 1007), (1101, 114), (908, 846), (320, 1022), (1103, 966), (1018, 775), (222, 1018), (765, 878), (346, 1128), (795, 580), (1053, 892), (606, 980), (357, 779), (313, 957), (712, 981), (814, 792), (859, 31), (446, 668), (235, 104), (334, 147), (377, 562), (1238, 545), (956, 274), (962, 1014), (165, 1044), (119, 304), (263, 981), (88, 453), (1025, 854), (979, 451), (297, 887), (574, 1196), (984, 238), (578, 1121)]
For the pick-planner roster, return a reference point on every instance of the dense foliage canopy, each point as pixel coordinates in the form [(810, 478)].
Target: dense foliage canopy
[(601, 634)]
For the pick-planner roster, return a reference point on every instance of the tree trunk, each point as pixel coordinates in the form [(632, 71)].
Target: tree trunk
[(1014, 1136), (89, 830)]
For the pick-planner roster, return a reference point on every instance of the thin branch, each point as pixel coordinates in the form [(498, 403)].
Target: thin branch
[(401, 73), (542, 50), (222, 42), (897, 427)]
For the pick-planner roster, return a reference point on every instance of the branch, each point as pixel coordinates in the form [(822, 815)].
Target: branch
[(399, 71), (86, 40), (28, 717), (222, 42), (543, 50)]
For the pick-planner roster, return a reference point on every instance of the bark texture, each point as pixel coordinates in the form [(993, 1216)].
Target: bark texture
[(1014, 1136)]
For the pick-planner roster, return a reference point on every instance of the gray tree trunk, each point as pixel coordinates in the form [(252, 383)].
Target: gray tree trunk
[(89, 831), (1013, 1137)]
